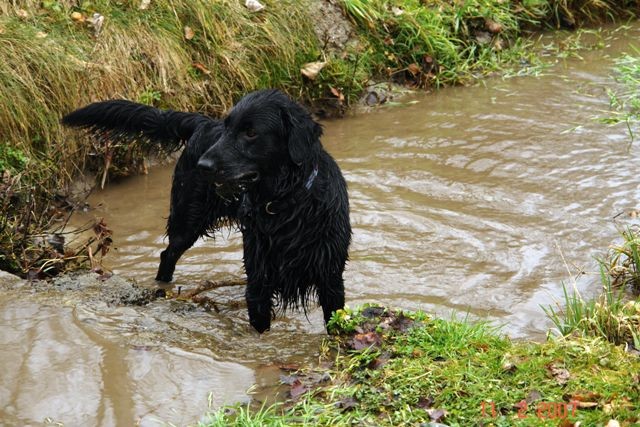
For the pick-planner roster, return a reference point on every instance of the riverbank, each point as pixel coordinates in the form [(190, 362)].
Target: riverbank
[(394, 368), (56, 56)]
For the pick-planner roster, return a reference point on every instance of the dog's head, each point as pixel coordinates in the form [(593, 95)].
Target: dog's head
[(264, 132)]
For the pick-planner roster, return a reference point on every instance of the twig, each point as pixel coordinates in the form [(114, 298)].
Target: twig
[(209, 285)]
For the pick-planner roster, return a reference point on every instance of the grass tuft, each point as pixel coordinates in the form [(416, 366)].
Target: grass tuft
[(615, 315)]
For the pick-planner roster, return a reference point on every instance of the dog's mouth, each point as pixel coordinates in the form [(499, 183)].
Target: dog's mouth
[(247, 178), (242, 179), (231, 187)]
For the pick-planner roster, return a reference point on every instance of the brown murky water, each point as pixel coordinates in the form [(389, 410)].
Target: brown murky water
[(463, 201)]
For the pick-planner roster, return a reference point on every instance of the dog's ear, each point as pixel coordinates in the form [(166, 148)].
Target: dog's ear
[(304, 136)]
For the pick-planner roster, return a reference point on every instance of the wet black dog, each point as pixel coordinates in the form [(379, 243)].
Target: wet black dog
[(261, 168)]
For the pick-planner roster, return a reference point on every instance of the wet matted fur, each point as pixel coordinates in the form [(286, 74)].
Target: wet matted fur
[(263, 169)]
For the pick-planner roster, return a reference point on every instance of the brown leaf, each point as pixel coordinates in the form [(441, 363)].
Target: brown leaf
[(189, 33), (297, 389), (373, 311), (436, 414), (347, 403), (22, 14), (425, 402), (414, 69), (78, 17), (586, 405), (585, 396), (362, 341), (493, 26), (560, 374), (200, 67), (311, 69), (337, 94), (380, 361)]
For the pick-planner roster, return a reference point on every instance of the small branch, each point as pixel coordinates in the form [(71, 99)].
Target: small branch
[(207, 286)]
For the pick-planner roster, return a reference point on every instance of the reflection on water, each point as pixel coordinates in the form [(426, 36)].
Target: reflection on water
[(464, 201), (54, 365)]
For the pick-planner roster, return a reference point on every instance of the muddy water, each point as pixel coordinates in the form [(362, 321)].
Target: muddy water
[(470, 200)]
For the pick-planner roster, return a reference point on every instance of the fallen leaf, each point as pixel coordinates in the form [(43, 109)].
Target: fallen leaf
[(337, 94), (310, 70), (346, 403), (560, 374), (254, 5), (144, 4), (380, 361), (493, 26), (584, 396), (77, 17), (189, 33), (532, 396), (483, 37), (613, 423), (425, 402), (436, 414), (414, 69), (362, 341), (41, 35), (371, 312), (397, 11), (200, 67), (297, 389), (586, 405), (22, 14), (402, 323)]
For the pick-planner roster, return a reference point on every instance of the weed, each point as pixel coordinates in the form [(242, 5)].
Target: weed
[(625, 100)]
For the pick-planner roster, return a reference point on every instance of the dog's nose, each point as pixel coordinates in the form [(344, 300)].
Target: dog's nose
[(205, 163)]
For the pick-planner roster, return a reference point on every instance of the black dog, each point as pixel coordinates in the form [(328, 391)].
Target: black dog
[(262, 169)]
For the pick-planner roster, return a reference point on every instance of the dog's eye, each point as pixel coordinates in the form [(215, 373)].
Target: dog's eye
[(251, 133)]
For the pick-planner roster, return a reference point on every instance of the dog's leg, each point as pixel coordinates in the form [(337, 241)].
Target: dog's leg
[(331, 296), (259, 306), (170, 256), (257, 294)]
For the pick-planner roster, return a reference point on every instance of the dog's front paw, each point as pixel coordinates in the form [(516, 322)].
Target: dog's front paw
[(261, 325)]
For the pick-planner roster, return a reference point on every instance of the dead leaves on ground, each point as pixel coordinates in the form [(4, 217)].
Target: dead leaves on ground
[(301, 382)]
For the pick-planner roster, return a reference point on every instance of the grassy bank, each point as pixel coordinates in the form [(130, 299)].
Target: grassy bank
[(405, 369), (394, 368), (56, 55)]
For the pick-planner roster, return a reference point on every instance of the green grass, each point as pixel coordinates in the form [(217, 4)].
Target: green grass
[(614, 315), (420, 369), (442, 43), (625, 99)]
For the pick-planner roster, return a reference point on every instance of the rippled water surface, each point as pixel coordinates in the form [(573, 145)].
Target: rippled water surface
[(464, 200)]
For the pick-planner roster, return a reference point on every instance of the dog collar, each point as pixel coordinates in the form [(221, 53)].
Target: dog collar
[(312, 177), (285, 204)]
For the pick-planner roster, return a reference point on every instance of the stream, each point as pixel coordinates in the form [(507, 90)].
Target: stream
[(470, 201)]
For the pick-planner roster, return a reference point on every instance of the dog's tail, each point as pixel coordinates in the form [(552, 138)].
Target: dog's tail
[(126, 120)]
